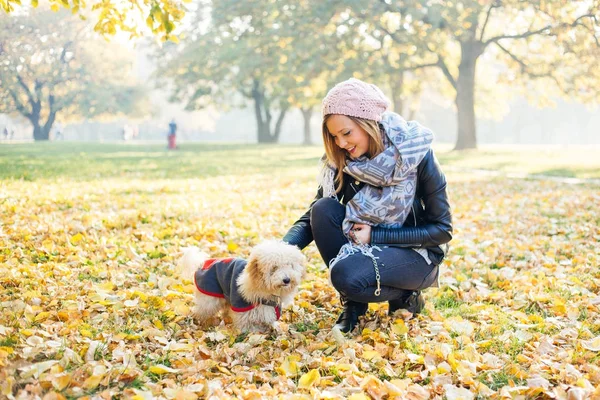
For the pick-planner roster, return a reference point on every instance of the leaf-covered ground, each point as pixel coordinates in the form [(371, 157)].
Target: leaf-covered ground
[(91, 305)]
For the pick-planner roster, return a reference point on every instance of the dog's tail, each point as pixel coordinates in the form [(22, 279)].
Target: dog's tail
[(191, 260)]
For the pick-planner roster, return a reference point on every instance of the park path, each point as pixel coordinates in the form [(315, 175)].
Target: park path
[(521, 175)]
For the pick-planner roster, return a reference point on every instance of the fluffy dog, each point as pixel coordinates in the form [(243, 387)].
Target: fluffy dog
[(252, 291)]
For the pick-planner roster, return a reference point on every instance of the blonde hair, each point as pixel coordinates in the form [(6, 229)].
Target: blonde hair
[(338, 157)]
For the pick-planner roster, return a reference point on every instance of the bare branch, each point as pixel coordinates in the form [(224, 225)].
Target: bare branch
[(412, 67), (390, 34), (539, 31), (591, 30), (39, 85), (576, 22), (421, 66), (20, 107), (26, 89), (487, 18), (519, 36), (525, 69), (442, 64)]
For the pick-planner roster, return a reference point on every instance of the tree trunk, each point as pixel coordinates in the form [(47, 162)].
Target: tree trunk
[(40, 132), (263, 122), (278, 124), (37, 133), (262, 126), (307, 115), (396, 84), (51, 117), (465, 96)]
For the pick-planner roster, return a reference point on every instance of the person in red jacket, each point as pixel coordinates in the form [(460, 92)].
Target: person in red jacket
[(172, 145), (381, 218)]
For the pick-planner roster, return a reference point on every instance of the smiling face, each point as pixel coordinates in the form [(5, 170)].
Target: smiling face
[(348, 135)]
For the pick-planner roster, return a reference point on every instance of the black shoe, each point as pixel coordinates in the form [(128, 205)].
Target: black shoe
[(348, 319), (413, 302)]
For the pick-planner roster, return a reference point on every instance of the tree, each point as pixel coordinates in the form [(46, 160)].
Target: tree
[(553, 41), (239, 56), (275, 53), (216, 68), (161, 16), (44, 73)]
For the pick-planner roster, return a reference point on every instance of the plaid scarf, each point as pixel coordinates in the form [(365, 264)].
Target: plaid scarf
[(390, 177)]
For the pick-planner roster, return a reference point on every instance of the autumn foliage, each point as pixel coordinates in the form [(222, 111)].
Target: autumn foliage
[(91, 304)]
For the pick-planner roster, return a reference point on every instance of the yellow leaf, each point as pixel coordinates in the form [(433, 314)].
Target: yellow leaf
[(179, 308), (37, 369), (54, 7), (86, 333), (559, 307), (78, 237), (132, 336), (370, 354), (231, 246), (5, 351), (42, 316), (592, 344), (289, 366), (60, 382), (156, 302), (161, 369), (399, 327), (92, 381), (304, 304), (107, 286), (48, 244), (309, 379), (158, 324), (141, 295)]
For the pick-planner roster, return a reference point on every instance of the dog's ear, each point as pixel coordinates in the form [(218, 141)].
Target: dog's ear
[(253, 270), (299, 264), (300, 269)]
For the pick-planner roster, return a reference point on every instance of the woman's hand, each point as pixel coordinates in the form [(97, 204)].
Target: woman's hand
[(361, 233)]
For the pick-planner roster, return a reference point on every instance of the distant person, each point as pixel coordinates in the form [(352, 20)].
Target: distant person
[(12, 133), (171, 143), (5, 133), (381, 218)]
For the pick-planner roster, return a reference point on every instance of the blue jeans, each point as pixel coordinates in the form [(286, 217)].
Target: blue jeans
[(401, 269)]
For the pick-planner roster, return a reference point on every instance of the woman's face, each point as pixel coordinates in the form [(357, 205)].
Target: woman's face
[(348, 135)]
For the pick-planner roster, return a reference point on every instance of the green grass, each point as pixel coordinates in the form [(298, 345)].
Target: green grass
[(582, 162), (90, 161), (497, 380)]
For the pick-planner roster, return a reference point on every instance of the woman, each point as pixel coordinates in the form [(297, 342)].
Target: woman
[(381, 214)]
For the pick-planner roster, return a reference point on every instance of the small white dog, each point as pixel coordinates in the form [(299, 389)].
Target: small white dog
[(252, 291)]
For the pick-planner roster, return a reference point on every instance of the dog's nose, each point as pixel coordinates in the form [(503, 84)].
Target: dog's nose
[(286, 281)]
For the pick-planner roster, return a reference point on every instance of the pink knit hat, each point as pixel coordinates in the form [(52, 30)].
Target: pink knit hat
[(356, 98)]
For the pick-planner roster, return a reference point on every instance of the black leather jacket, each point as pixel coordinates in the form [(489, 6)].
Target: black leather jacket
[(428, 225)]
